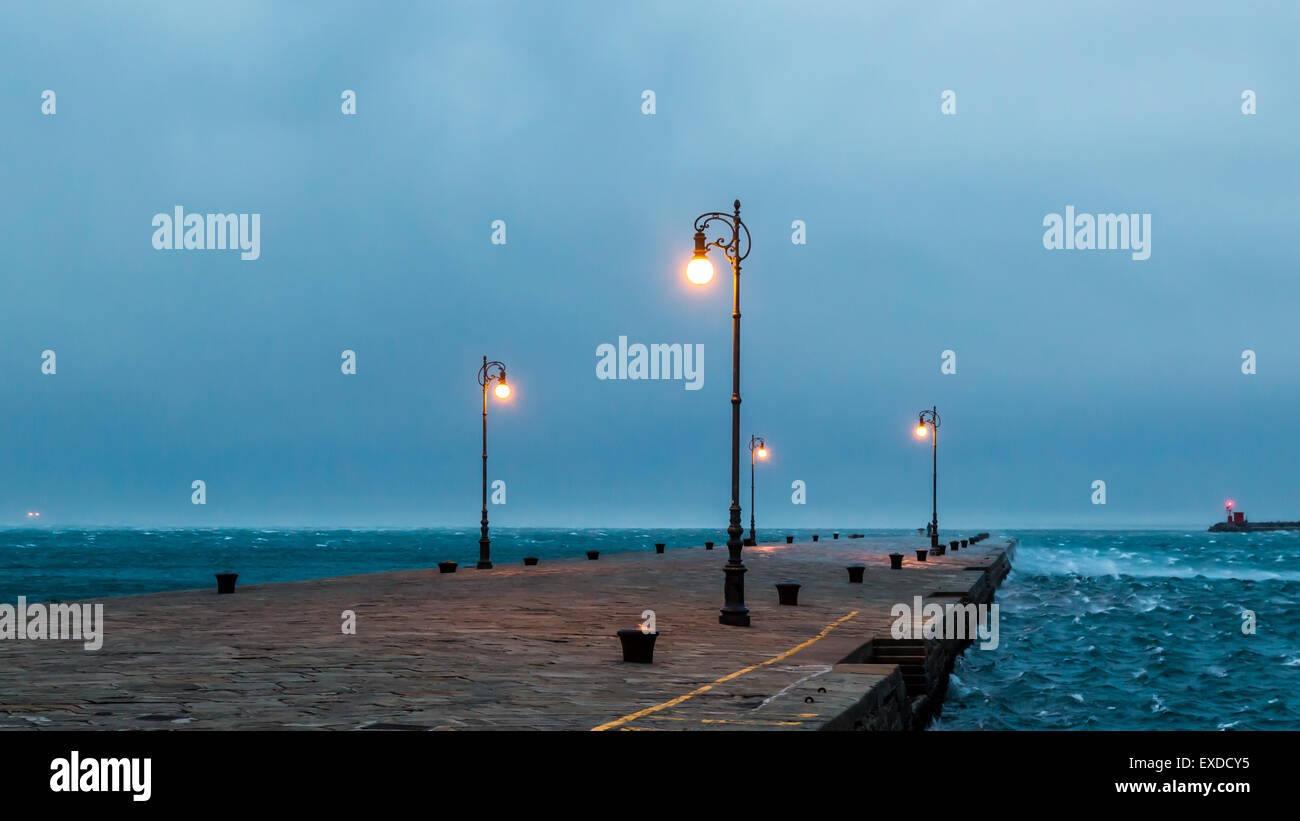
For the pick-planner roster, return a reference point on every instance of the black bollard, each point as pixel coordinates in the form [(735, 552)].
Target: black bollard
[(855, 573), (965, 542), (789, 540), (895, 561), (953, 546), (708, 545), (226, 582), (447, 567), (815, 537), (938, 550), (835, 535), (593, 554), (638, 645), (920, 554), (530, 560), (787, 592), (659, 547)]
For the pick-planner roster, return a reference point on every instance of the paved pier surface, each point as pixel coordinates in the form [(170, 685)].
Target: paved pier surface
[(511, 648)]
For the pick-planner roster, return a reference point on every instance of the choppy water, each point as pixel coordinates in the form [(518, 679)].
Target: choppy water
[(46, 563), (1139, 630)]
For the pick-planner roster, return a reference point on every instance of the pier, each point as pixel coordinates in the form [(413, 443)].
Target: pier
[(521, 647)]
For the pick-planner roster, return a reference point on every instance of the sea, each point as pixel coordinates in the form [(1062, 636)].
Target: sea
[(1098, 630), (1140, 630)]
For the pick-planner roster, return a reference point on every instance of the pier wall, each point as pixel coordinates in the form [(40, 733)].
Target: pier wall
[(891, 704)]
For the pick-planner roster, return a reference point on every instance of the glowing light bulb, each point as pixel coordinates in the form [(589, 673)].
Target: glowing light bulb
[(762, 453), (921, 431), (502, 390), (699, 270)]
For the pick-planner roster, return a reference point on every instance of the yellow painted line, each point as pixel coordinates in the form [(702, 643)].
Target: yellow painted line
[(750, 723), (692, 694)]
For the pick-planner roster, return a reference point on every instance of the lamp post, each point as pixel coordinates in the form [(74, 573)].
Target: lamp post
[(927, 422), (757, 448), (700, 271), (490, 373), (1229, 507)]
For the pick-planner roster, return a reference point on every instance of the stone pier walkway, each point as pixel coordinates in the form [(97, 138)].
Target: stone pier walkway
[(510, 648)]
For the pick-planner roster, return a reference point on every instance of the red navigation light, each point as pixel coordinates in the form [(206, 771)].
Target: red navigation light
[(1229, 504)]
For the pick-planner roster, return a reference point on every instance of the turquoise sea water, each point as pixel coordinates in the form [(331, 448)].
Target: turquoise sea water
[(49, 563), (1139, 630), (1099, 630)]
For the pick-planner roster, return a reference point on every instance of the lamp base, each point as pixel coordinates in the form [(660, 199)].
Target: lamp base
[(735, 617)]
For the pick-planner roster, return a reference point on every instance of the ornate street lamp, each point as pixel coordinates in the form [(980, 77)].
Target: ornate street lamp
[(491, 373), (700, 272), (757, 448), (927, 423)]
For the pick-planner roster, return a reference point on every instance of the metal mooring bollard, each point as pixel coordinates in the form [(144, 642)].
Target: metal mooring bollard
[(593, 554), (787, 592), (226, 582), (638, 645), (447, 567), (835, 535), (938, 549), (659, 547), (855, 573), (965, 542), (816, 537), (789, 540), (920, 554), (953, 546), (708, 545), (530, 560), (895, 561)]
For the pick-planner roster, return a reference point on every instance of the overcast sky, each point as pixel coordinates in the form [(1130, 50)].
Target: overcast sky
[(924, 233)]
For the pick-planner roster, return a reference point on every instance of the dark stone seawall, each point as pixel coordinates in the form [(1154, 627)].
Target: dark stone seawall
[(914, 692), (1252, 527)]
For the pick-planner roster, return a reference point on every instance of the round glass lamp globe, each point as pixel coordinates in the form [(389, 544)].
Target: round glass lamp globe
[(699, 270)]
